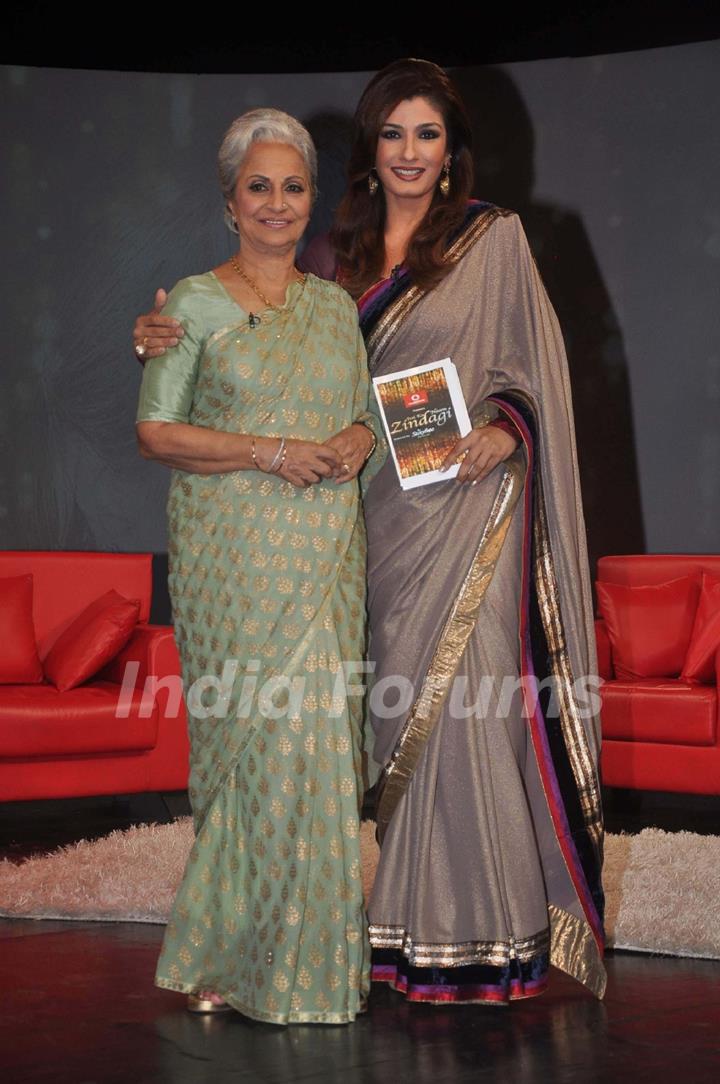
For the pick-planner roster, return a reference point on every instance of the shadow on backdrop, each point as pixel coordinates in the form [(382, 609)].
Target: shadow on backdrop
[(332, 133), (504, 174), (69, 407)]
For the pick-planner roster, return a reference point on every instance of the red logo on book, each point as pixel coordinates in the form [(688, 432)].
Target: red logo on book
[(415, 398)]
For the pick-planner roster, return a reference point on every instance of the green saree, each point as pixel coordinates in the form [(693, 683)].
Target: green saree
[(267, 583)]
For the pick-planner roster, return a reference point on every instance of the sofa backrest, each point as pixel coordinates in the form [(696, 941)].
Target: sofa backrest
[(636, 570), (65, 582)]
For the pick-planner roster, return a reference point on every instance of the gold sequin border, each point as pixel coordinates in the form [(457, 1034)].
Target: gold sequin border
[(459, 954)]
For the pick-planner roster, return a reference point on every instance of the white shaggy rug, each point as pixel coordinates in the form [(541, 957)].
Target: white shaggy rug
[(662, 888)]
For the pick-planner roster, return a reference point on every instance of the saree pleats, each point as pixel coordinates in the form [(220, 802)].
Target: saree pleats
[(479, 597), (449, 651)]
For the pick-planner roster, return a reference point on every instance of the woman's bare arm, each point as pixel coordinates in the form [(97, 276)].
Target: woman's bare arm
[(197, 450)]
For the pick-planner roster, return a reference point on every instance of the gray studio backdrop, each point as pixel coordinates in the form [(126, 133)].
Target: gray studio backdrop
[(109, 191)]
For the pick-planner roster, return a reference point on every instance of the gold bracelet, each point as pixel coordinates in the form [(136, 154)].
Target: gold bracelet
[(373, 446), (252, 453)]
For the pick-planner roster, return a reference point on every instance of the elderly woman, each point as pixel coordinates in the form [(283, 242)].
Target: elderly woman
[(259, 408)]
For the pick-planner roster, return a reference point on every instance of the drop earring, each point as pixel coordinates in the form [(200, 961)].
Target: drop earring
[(373, 183), (444, 185)]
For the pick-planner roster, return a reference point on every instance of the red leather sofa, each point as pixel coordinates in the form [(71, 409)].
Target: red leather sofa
[(69, 744), (659, 733)]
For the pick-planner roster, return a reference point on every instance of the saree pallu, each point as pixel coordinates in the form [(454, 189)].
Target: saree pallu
[(267, 583), (489, 809)]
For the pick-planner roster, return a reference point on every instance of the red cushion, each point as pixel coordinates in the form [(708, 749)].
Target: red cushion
[(705, 637), (94, 637), (659, 710), (65, 582), (649, 626), (39, 721), (19, 662)]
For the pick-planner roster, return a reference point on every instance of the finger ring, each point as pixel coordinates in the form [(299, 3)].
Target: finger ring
[(471, 468), (346, 468), (140, 350)]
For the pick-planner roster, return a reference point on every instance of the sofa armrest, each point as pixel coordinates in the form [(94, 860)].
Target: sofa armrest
[(153, 648), (604, 650), (149, 664)]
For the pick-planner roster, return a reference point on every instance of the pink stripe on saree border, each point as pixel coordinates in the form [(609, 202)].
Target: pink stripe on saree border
[(461, 993)]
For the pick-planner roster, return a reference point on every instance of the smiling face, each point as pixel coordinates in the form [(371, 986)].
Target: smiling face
[(272, 198), (412, 150)]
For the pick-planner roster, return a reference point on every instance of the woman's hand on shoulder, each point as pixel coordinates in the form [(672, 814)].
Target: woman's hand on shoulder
[(305, 462), (480, 452), (154, 333), (353, 445)]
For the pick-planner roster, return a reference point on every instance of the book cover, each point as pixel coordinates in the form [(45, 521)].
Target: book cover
[(424, 413)]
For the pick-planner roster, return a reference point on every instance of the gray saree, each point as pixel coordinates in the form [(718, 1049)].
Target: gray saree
[(489, 809)]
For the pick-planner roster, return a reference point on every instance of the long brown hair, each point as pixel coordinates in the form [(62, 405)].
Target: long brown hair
[(357, 235)]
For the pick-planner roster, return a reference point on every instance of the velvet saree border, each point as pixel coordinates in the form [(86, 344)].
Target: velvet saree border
[(475, 984)]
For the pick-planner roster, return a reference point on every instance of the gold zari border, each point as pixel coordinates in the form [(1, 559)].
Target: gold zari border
[(263, 1017), (574, 734), (453, 639), (573, 945), (576, 741), (433, 954), (575, 951)]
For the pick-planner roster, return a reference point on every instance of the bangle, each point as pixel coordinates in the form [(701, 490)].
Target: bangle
[(373, 446), (279, 457), (252, 453), (282, 460)]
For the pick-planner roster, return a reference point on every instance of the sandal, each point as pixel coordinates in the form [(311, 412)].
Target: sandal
[(202, 1002)]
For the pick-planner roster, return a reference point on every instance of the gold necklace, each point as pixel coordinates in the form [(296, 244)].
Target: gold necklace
[(255, 288)]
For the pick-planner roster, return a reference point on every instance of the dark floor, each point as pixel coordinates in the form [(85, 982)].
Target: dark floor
[(79, 1006)]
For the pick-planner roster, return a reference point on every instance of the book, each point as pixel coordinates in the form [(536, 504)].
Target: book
[(424, 414)]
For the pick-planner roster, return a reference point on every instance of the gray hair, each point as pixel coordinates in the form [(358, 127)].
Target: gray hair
[(261, 126)]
